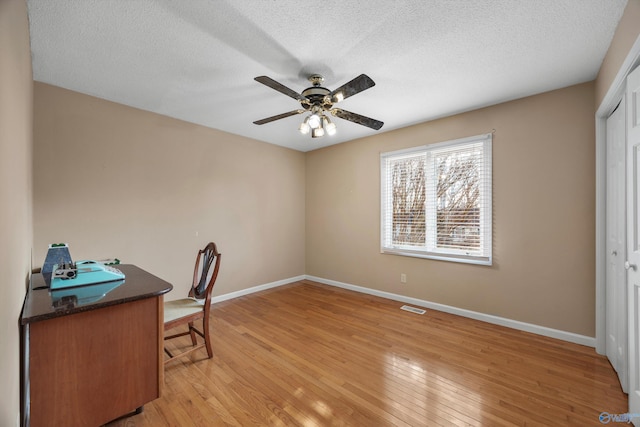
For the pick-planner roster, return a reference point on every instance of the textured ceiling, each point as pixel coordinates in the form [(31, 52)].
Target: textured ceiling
[(195, 60)]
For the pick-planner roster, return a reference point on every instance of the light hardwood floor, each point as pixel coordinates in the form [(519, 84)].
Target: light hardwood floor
[(308, 354)]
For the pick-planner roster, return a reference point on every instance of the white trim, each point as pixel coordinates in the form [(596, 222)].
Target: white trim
[(255, 289), (496, 320), (609, 102)]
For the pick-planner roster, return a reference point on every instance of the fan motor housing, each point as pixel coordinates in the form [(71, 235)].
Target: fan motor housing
[(316, 94)]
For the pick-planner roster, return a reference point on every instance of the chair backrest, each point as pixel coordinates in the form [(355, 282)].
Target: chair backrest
[(205, 272)]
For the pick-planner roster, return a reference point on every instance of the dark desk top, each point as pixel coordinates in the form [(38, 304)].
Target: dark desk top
[(41, 303)]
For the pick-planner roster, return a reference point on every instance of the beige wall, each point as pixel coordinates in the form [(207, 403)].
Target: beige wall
[(625, 36), (15, 194), (114, 181), (145, 185), (543, 189)]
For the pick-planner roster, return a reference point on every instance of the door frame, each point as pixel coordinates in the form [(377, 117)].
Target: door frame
[(608, 104)]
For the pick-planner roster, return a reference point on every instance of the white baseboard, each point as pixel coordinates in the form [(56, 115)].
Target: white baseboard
[(496, 320), (514, 324), (255, 289)]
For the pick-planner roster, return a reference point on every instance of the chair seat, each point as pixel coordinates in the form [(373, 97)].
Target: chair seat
[(180, 308)]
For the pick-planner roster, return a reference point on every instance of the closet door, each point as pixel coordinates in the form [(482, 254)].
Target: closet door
[(632, 264), (616, 246)]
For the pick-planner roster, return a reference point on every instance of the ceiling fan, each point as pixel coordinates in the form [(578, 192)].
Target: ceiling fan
[(318, 100)]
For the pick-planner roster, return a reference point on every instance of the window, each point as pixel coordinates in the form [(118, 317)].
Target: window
[(436, 201)]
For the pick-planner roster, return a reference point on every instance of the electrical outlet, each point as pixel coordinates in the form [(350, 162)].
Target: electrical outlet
[(403, 278)]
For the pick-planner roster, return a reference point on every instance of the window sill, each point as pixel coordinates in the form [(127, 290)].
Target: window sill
[(465, 259)]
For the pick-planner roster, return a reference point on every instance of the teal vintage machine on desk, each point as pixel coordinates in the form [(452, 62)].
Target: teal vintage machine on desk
[(63, 273), (83, 273)]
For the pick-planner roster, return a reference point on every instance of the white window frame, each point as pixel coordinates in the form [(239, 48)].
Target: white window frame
[(483, 256)]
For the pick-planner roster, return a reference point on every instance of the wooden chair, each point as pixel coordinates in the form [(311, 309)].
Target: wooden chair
[(198, 304)]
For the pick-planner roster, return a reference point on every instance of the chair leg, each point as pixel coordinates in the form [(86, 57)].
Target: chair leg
[(193, 334), (207, 340)]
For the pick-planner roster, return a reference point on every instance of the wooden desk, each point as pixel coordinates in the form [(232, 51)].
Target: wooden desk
[(92, 359)]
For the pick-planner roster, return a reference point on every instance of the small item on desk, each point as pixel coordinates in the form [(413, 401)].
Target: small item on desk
[(83, 273), (60, 271), (58, 253)]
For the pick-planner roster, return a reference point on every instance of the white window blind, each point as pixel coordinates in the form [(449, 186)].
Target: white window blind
[(436, 201)]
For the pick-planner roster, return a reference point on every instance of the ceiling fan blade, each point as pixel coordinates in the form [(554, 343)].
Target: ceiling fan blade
[(357, 85), (278, 117), (268, 81), (357, 118)]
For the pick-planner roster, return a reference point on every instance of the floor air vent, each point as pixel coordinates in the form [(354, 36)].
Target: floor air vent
[(413, 309)]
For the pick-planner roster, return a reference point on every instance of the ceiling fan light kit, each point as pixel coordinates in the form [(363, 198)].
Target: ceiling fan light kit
[(318, 102), (328, 125), (304, 126)]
